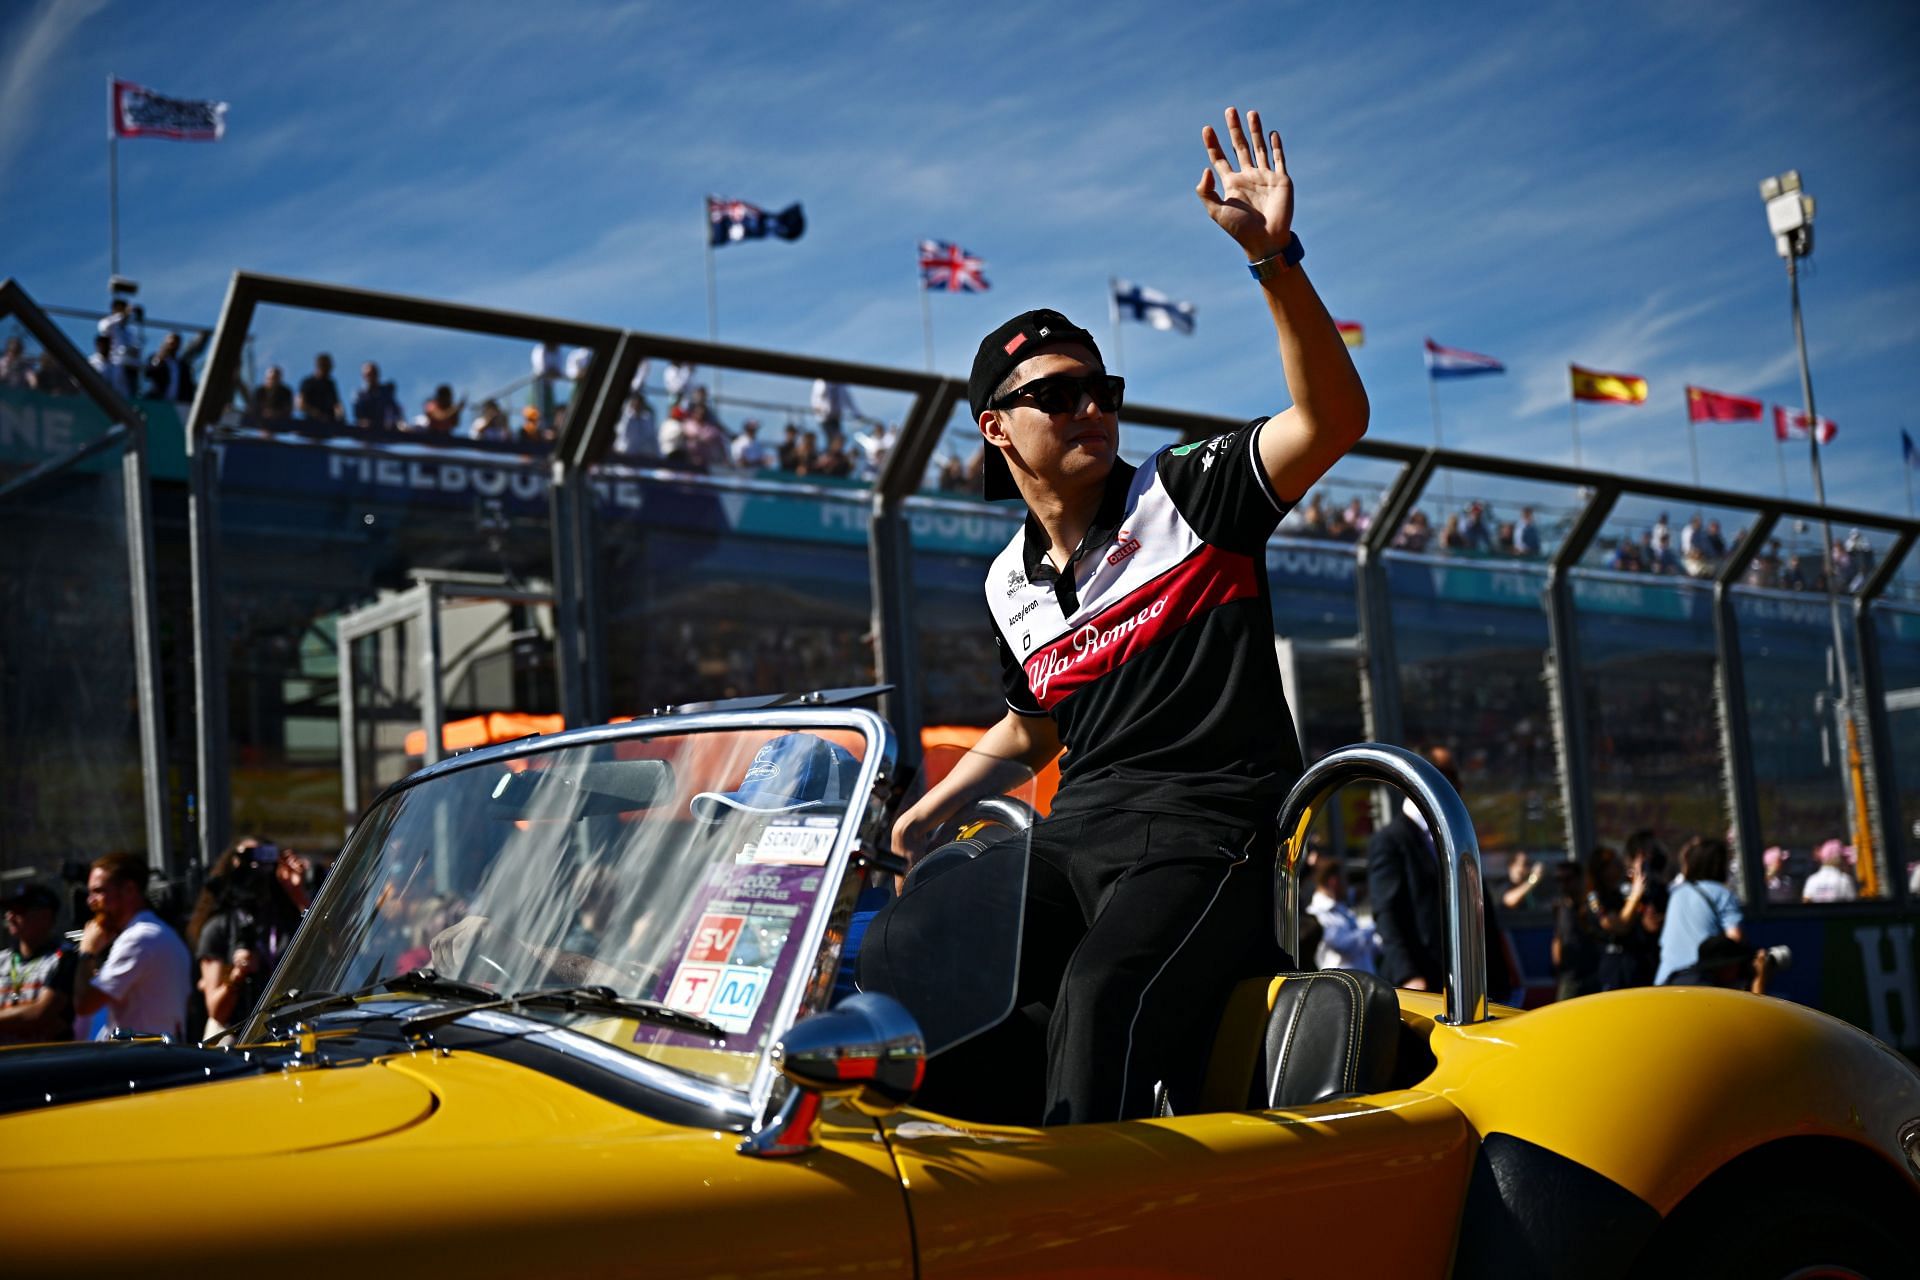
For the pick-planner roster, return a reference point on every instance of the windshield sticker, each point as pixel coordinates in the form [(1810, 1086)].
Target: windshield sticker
[(766, 883), (738, 995), (693, 987), (713, 940), (736, 949), (763, 939), (797, 841)]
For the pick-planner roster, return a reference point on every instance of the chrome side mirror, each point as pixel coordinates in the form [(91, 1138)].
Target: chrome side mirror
[(867, 1049)]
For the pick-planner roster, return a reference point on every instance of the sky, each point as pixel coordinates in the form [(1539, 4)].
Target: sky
[(1543, 183)]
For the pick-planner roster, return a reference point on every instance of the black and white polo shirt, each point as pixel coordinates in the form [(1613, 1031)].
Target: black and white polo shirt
[(1154, 651)]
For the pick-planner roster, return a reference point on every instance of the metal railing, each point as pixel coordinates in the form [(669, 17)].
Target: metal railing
[(586, 438)]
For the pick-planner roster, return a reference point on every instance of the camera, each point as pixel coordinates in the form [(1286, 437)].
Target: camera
[(1780, 958)]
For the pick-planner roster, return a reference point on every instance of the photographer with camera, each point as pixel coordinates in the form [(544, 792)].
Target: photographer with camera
[(1725, 963), (246, 915)]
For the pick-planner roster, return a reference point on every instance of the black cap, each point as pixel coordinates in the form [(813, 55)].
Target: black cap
[(1001, 351), (28, 896)]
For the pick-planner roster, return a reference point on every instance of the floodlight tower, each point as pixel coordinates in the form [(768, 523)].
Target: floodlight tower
[(1790, 218)]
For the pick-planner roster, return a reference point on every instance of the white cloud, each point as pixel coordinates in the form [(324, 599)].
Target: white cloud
[(45, 30)]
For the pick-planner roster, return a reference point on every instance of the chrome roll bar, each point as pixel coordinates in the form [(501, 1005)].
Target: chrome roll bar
[(1454, 842)]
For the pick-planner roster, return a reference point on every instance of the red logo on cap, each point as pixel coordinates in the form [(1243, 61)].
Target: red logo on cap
[(1014, 345)]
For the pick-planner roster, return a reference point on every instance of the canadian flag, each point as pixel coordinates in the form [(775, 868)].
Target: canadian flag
[(1796, 426)]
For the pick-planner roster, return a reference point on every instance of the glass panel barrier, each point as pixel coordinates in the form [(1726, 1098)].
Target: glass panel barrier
[(1899, 635), (1647, 689), (70, 767), (953, 543), (716, 587), (1470, 628), (424, 453), (742, 569), (1799, 744)]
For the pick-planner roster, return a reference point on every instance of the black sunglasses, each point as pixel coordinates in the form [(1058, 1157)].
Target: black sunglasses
[(1060, 393)]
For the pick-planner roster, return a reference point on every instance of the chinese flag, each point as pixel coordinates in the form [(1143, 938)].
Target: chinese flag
[(1715, 406), (1619, 388)]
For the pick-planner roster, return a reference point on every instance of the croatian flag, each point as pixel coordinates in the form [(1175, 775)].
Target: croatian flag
[(137, 112), (1149, 306), (1796, 426), (730, 220), (1451, 362), (944, 265)]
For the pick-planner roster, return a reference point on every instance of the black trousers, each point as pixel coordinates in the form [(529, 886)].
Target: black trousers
[(1136, 928)]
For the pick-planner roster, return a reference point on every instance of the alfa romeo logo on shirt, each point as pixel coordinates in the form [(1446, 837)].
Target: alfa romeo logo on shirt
[(1015, 581)]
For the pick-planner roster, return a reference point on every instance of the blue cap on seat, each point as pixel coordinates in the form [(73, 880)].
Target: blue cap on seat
[(789, 774)]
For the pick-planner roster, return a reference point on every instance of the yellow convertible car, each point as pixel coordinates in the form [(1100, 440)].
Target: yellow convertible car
[(582, 1005)]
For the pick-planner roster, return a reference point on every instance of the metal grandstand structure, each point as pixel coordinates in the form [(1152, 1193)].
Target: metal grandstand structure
[(581, 602)]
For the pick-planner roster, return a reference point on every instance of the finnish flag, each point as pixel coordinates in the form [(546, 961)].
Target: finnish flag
[(1149, 306)]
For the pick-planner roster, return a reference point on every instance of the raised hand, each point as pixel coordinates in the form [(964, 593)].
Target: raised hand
[(1253, 204)]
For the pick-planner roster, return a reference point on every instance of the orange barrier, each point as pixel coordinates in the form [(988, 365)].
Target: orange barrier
[(484, 731), (1045, 783)]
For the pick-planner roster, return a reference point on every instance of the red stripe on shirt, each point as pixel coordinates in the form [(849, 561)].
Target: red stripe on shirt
[(1209, 578)]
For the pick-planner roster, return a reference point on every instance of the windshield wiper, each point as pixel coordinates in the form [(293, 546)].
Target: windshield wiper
[(423, 980), (589, 998)]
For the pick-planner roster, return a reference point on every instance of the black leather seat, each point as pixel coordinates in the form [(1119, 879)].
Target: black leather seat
[(1330, 1034)]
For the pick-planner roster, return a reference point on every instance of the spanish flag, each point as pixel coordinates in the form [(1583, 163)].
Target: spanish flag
[(1620, 388), (1351, 332)]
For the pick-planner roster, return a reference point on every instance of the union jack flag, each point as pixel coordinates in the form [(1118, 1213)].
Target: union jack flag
[(948, 266)]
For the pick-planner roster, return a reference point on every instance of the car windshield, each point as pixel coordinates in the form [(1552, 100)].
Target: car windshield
[(706, 871)]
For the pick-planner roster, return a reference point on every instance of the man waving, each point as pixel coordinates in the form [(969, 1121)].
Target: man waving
[(1135, 629)]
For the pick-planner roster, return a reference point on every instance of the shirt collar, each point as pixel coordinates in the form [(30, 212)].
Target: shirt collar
[(1106, 522), (1412, 811)]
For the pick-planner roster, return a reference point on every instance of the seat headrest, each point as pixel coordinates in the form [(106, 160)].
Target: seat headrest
[(1330, 1034)]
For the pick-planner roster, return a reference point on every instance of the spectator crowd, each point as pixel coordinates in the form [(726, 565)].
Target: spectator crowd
[(840, 443), (1631, 915), (132, 969), (1696, 550), (689, 435)]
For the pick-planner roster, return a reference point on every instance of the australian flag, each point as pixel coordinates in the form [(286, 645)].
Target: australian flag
[(730, 220), (1149, 306), (948, 266)]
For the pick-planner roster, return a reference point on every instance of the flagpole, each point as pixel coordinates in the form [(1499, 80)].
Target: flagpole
[(1573, 407), (1693, 447), (713, 306), (1906, 469), (113, 185), (926, 307), (1433, 399), (1780, 456), (1113, 311)]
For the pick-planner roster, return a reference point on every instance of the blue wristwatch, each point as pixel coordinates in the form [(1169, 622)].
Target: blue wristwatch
[(1268, 268)]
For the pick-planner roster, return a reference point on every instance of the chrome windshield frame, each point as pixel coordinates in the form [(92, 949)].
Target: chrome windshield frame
[(1454, 841), (865, 824)]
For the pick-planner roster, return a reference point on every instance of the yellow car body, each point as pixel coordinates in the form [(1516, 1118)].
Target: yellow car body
[(1580, 1139)]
